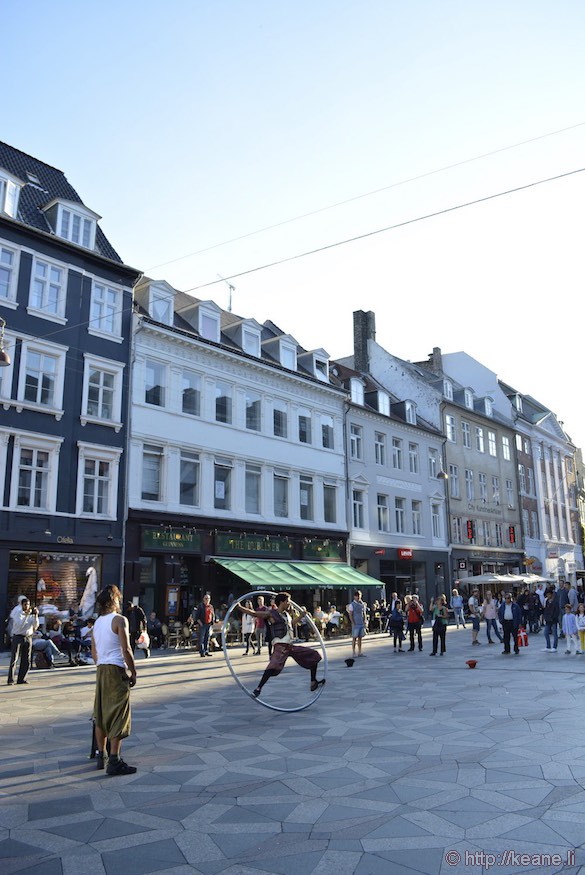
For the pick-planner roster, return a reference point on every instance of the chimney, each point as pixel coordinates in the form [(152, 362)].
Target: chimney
[(436, 360), (364, 329)]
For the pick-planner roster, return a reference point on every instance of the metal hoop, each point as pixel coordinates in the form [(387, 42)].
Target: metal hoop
[(224, 629)]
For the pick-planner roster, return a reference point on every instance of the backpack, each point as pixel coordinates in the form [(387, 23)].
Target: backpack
[(41, 660)]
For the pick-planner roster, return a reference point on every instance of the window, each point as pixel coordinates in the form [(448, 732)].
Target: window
[(510, 493), (466, 435), (222, 477), (397, 453), (499, 535), (102, 391), (456, 530), (152, 457), (468, 399), (251, 342), (410, 410), (355, 441), (253, 411), (47, 289), (492, 446), (436, 519), (96, 479), (305, 427), (105, 312), (223, 402), (8, 259), (482, 480), (448, 389), (534, 523), (383, 403), (495, 490), (488, 407), (279, 419), (469, 484), (454, 481), (154, 383), (306, 497), (413, 458), (209, 324), (189, 479), (506, 448), (383, 513), (356, 388), (33, 478), (327, 432), (253, 482), (486, 532), (76, 228), (530, 481), (479, 442), (380, 448), (358, 508), (519, 442), (416, 515), (288, 356), (40, 378), (322, 369), (280, 484), (399, 504), (9, 191), (433, 462), (526, 446), (190, 393), (161, 307), (450, 428), (329, 503), (522, 478)]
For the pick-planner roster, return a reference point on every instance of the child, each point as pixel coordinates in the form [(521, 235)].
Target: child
[(570, 629), (580, 619)]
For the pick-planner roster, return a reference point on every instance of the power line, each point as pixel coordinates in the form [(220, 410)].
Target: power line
[(366, 194), (442, 212)]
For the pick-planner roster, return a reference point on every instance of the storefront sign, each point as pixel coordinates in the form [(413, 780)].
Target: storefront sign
[(168, 539), (253, 545), (404, 553), (323, 549), (534, 564)]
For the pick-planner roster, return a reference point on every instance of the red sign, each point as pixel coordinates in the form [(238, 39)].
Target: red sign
[(404, 553)]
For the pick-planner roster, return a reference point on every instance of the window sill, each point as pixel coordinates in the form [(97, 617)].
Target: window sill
[(19, 406), (106, 335), (95, 420), (43, 314)]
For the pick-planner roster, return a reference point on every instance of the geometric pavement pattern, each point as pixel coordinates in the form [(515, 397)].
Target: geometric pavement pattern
[(404, 765)]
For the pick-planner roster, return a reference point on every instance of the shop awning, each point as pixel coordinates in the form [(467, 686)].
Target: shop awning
[(287, 575)]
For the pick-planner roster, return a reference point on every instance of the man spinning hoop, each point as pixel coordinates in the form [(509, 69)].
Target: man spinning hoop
[(281, 622)]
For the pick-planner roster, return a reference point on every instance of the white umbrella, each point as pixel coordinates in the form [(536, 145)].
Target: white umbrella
[(87, 603), (480, 579)]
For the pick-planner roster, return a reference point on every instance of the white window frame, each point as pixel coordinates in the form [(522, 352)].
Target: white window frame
[(482, 483), (110, 310), (43, 348), (253, 477), (436, 519), (397, 453), (327, 432), (280, 418), (450, 428), (251, 341), (253, 410), (306, 486), (220, 385), (399, 515), (466, 434), (10, 188), (305, 415), (357, 508), (41, 311), (448, 389), (356, 389), (433, 460), (191, 458), (468, 398), (383, 511), (13, 270), (321, 369), (488, 407), (510, 494), (221, 464), (469, 485), (479, 439), (155, 451), (506, 448), (492, 444), (410, 411), (98, 453), (454, 483), (380, 448), (495, 489), (281, 509), (356, 433), (416, 516), (116, 369), (52, 446), (287, 354), (383, 403), (191, 381), (330, 489), (208, 322), (161, 369), (83, 215), (164, 302), (456, 530), (413, 458)]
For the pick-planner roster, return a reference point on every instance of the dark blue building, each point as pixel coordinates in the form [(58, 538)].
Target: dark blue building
[(65, 307)]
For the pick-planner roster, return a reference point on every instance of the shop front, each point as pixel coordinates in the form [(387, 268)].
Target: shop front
[(403, 570), (470, 562)]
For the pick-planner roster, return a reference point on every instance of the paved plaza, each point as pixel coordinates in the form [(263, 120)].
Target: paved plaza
[(405, 764)]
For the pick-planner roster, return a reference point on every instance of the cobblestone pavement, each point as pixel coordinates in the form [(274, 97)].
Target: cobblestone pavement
[(405, 764)]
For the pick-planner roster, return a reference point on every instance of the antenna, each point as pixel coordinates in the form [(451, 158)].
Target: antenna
[(231, 289)]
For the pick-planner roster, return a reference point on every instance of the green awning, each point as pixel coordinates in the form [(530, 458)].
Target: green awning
[(283, 575)]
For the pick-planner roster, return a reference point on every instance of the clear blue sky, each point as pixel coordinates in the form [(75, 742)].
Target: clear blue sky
[(188, 124)]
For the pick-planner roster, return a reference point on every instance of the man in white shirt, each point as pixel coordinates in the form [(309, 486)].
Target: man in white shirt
[(25, 621), (332, 625), (474, 614)]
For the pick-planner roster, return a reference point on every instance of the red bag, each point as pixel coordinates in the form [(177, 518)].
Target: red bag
[(522, 637)]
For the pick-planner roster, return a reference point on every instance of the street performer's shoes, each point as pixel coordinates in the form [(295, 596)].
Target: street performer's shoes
[(316, 684)]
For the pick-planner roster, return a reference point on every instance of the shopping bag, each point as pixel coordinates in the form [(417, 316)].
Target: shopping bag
[(143, 641), (522, 637)]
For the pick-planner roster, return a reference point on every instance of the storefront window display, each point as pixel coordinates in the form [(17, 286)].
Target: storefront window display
[(51, 579)]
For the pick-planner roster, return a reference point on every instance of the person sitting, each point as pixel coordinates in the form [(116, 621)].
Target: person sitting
[(63, 636), (332, 625), (154, 629), (43, 644)]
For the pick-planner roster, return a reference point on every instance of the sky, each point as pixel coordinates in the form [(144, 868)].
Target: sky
[(216, 137)]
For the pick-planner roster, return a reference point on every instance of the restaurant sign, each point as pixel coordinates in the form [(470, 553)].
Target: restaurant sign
[(169, 539), (317, 548), (253, 545)]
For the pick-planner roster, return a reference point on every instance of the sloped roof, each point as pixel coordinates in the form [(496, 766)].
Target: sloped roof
[(52, 183)]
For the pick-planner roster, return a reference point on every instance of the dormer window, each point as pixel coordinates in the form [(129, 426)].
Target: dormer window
[(9, 192), (488, 406), (356, 389), (384, 403), (288, 356), (208, 320), (518, 403), (410, 412), (251, 342), (468, 399), (161, 306), (322, 369), (448, 389), (316, 362), (73, 222)]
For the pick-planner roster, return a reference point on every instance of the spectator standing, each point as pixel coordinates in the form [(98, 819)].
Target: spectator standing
[(440, 619), (510, 617), (456, 606), (115, 675), (396, 625), (415, 619), (358, 615), (137, 625), (562, 597), (490, 612), (474, 614), (570, 630), (25, 621), (205, 618), (248, 628), (550, 615), (580, 620)]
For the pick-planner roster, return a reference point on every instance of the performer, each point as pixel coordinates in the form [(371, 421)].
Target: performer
[(281, 623)]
